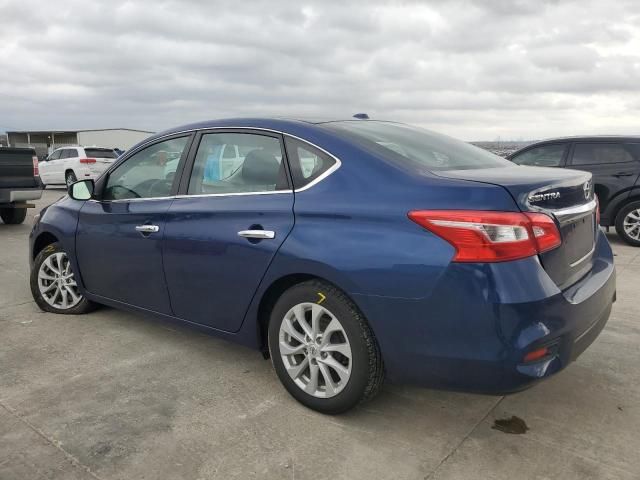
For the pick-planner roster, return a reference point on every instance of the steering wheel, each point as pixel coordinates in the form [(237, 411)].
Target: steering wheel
[(155, 187)]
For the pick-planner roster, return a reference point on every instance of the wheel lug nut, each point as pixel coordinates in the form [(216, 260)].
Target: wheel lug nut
[(323, 354)]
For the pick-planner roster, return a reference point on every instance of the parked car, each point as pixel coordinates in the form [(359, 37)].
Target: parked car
[(615, 165), (19, 183), (347, 251), (68, 164)]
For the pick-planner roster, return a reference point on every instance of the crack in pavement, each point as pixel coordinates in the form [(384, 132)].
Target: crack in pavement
[(464, 439), (73, 460)]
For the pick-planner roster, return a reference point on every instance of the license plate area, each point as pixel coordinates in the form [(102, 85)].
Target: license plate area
[(578, 238)]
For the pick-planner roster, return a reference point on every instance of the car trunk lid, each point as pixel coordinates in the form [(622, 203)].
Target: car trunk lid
[(566, 195)]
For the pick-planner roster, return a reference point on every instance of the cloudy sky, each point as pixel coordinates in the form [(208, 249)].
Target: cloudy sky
[(477, 70)]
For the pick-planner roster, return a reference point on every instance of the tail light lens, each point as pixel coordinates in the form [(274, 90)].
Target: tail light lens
[(36, 170), (545, 232), (485, 236), (87, 160), (597, 211)]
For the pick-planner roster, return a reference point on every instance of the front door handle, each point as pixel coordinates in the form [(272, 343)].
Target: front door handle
[(147, 228), (623, 174), (261, 234)]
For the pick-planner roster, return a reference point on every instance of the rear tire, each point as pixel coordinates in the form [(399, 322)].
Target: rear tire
[(344, 349), (70, 177), (53, 284), (628, 223), (13, 216)]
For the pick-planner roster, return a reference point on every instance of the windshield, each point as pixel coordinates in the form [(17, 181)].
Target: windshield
[(416, 147)]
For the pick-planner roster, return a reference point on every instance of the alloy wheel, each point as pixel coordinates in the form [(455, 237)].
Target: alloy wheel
[(315, 350), (631, 224), (56, 282)]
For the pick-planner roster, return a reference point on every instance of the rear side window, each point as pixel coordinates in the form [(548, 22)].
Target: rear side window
[(100, 153), (307, 162), (544, 156), (69, 153), (600, 153), (237, 163)]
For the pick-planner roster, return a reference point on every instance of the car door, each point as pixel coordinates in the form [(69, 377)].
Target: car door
[(119, 234), (226, 226), (59, 165), (612, 164), (46, 166)]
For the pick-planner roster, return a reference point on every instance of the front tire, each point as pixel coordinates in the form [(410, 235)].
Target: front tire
[(628, 223), (53, 283), (323, 349), (13, 216)]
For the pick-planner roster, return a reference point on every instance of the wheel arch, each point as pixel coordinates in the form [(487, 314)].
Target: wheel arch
[(41, 241), (634, 196), (271, 295)]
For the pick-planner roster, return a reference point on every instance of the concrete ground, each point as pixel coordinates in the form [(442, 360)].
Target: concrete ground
[(113, 395)]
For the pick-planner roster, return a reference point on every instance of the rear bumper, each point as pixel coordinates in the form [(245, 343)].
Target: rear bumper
[(20, 194), (473, 332)]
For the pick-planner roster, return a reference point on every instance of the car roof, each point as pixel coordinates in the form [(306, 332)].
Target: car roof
[(83, 146), (290, 125), (579, 138), (588, 138)]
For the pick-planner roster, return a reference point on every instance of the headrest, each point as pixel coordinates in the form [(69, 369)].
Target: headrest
[(260, 168)]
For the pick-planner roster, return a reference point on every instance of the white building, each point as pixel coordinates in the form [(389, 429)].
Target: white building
[(45, 141)]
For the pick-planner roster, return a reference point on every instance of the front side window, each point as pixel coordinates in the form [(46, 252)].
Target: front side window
[(600, 153), (55, 155), (307, 162), (148, 173), (544, 156), (237, 163)]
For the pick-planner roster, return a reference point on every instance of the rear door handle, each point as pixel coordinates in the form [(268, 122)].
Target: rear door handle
[(624, 174), (147, 228), (261, 234)]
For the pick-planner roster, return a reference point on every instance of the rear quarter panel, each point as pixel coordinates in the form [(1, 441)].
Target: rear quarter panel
[(352, 230)]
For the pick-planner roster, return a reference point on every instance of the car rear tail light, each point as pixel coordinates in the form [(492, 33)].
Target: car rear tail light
[(545, 232), (486, 236), (36, 169), (597, 211), (87, 160)]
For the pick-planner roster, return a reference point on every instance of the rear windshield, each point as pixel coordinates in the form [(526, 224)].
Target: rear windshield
[(100, 153), (416, 147)]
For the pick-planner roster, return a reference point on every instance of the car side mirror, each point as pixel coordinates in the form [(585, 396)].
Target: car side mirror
[(81, 190)]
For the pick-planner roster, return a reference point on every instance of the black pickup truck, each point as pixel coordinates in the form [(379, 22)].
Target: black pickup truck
[(19, 183)]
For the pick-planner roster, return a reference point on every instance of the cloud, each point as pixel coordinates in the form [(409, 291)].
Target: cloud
[(473, 69)]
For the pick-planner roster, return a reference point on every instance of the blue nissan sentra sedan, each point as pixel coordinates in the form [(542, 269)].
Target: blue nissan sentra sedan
[(348, 251)]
